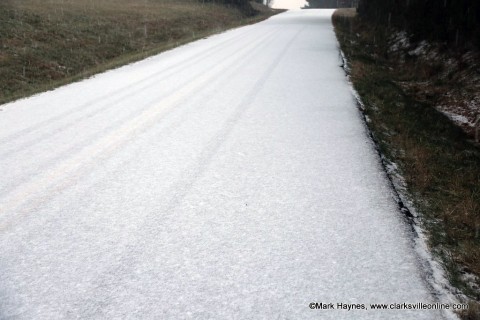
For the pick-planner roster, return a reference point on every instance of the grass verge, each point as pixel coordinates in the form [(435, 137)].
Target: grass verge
[(441, 167), (45, 44)]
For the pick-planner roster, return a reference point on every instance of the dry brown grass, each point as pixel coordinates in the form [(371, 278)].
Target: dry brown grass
[(345, 13), (472, 313)]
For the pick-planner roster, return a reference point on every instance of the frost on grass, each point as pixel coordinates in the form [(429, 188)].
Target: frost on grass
[(438, 75)]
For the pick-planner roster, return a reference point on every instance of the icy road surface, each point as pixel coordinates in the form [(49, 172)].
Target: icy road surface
[(231, 178)]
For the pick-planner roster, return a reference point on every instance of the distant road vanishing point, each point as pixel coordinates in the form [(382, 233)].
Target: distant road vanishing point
[(230, 178)]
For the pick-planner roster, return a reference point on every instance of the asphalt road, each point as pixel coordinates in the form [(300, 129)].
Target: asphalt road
[(231, 178)]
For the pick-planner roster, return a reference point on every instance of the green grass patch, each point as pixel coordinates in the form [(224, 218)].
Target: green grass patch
[(440, 164)]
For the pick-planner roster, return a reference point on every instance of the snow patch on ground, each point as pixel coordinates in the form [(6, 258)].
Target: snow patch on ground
[(421, 49), (459, 119), (400, 41)]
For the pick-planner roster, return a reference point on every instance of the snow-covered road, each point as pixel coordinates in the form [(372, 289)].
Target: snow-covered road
[(231, 178)]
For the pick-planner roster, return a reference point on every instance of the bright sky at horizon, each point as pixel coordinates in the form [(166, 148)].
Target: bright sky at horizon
[(288, 4)]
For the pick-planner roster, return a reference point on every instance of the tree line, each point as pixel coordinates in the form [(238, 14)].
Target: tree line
[(455, 22), (312, 4)]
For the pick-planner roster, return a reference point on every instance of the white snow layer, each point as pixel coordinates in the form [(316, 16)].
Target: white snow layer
[(231, 178)]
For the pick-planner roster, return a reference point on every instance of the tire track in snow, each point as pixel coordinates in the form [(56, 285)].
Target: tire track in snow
[(40, 165), (120, 95), (125, 264), (109, 142)]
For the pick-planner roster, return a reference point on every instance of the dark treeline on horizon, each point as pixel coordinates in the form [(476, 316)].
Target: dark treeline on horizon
[(455, 22), (329, 4)]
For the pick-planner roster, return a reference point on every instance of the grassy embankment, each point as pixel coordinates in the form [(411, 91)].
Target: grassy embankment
[(44, 44), (439, 163)]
